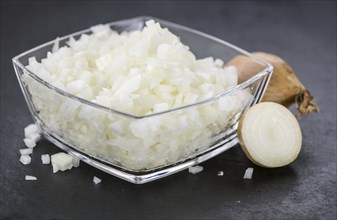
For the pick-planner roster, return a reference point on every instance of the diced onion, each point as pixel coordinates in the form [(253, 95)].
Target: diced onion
[(248, 173), (220, 173), (45, 159), (195, 169), (61, 161), (29, 142), (30, 130), (25, 159), (76, 161), (96, 180), (140, 73), (35, 137), (28, 177), (26, 151)]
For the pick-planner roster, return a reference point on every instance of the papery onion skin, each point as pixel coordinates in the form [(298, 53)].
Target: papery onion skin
[(284, 87)]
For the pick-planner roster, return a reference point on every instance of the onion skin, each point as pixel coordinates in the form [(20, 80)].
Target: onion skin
[(243, 145), (284, 87)]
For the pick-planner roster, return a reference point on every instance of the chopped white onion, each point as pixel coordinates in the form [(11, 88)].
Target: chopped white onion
[(35, 137), (31, 130), (26, 151), (116, 127), (56, 45), (61, 161), (25, 159), (29, 142), (160, 107), (219, 63), (248, 173), (76, 161), (45, 159), (97, 180), (140, 73), (195, 169), (28, 177)]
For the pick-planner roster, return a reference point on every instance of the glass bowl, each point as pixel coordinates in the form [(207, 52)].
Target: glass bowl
[(169, 141)]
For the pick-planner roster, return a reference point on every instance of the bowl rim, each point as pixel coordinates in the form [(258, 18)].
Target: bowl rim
[(266, 71)]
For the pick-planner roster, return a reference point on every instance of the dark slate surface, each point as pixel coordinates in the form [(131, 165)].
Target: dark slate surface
[(304, 33)]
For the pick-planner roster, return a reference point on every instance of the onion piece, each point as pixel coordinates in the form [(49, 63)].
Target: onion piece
[(26, 151), (56, 45), (32, 135), (96, 180), (220, 173), (248, 173), (195, 169), (29, 142), (28, 177), (35, 137), (25, 159), (61, 161), (76, 161), (30, 130), (45, 159), (284, 87), (270, 135)]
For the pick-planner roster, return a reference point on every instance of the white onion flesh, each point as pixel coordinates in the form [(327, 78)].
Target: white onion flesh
[(35, 137), (25, 159), (29, 142), (248, 173), (220, 173), (61, 161), (76, 161), (270, 135), (195, 169), (30, 130), (140, 72), (28, 177), (96, 180), (26, 151), (45, 159)]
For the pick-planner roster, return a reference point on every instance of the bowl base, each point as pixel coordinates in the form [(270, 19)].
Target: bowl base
[(145, 177)]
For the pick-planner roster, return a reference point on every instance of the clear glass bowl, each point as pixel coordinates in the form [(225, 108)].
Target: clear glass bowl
[(171, 141)]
